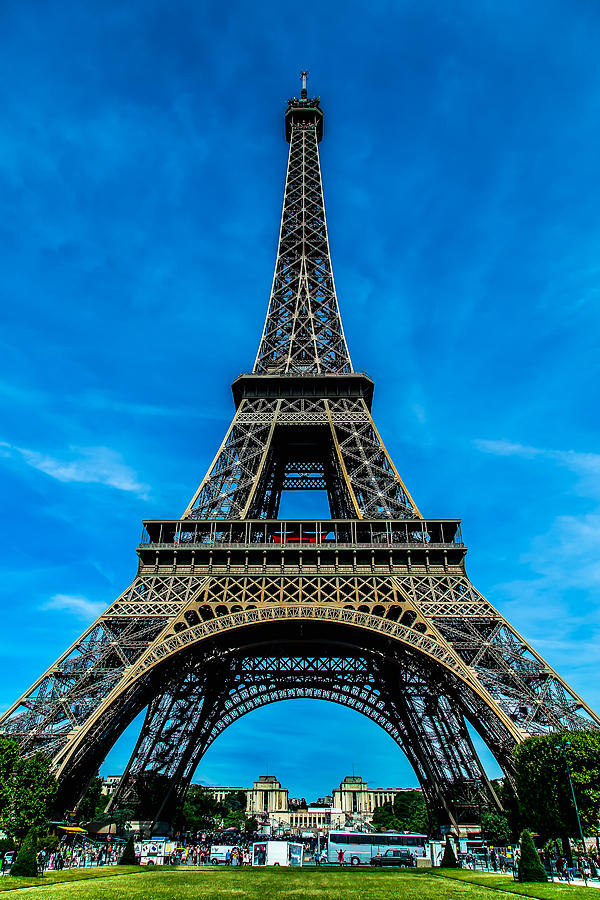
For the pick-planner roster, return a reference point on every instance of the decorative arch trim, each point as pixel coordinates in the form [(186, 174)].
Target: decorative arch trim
[(172, 642)]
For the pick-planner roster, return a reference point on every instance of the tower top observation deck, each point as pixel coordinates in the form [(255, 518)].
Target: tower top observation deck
[(304, 111)]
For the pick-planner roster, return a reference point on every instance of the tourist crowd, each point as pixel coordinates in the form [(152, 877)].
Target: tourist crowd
[(71, 856)]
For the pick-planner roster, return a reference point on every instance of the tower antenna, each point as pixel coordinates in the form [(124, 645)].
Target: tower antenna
[(303, 92)]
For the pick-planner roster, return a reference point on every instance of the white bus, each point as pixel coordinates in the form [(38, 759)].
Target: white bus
[(358, 847)]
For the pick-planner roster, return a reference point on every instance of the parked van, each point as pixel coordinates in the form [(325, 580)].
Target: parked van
[(218, 853)]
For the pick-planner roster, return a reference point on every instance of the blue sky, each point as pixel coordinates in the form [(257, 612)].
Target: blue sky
[(142, 161)]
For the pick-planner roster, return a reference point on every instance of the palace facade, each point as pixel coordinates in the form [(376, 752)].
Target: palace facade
[(352, 804)]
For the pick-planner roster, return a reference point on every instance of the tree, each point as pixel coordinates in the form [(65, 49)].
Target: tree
[(117, 817), (27, 790), (48, 842), (449, 858), (94, 801), (530, 867), (408, 812), (199, 809), (26, 861), (128, 857), (152, 791), (510, 803), (201, 812), (495, 828), (6, 844), (542, 772), (235, 800), (235, 818), (383, 817)]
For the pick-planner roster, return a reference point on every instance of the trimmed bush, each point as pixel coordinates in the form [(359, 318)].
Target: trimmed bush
[(129, 858), (530, 868), (448, 859), (26, 861)]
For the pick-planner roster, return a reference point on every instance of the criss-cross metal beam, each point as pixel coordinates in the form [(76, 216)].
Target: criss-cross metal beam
[(303, 331), (185, 720)]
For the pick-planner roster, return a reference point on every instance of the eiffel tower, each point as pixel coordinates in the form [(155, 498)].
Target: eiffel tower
[(234, 608)]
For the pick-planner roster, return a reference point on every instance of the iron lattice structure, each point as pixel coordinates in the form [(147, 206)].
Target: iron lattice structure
[(233, 608)]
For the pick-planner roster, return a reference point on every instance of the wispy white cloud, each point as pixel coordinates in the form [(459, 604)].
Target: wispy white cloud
[(554, 605), (86, 465), (572, 458), (586, 465), (567, 555), (76, 604)]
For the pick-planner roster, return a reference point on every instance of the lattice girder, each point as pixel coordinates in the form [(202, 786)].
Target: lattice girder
[(303, 330), (341, 440), (504, 688), (446, 770)]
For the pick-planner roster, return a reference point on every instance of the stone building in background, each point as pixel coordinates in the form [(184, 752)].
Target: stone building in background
[(356, 799), (351, 805)]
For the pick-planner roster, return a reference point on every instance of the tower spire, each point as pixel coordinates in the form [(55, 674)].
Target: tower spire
[(303, 331), (303, 92)]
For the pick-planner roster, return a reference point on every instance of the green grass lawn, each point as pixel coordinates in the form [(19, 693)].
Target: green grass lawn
[(123, 883)]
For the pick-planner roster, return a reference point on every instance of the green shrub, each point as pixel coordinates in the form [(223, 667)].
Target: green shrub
[(530, 867), (448, 859), (26, 861), (129, 858)]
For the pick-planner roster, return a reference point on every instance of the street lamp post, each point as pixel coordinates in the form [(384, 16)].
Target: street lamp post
[(563, 745)]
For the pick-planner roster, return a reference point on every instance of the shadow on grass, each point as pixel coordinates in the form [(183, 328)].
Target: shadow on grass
[(506, 884), (8, 883)]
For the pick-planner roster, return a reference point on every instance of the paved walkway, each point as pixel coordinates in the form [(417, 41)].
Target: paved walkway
[(577, 882)]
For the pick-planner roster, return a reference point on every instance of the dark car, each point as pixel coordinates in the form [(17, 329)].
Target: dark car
[(394, 858)]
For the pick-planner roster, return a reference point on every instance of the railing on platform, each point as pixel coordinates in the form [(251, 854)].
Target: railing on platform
[(303, 532)]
